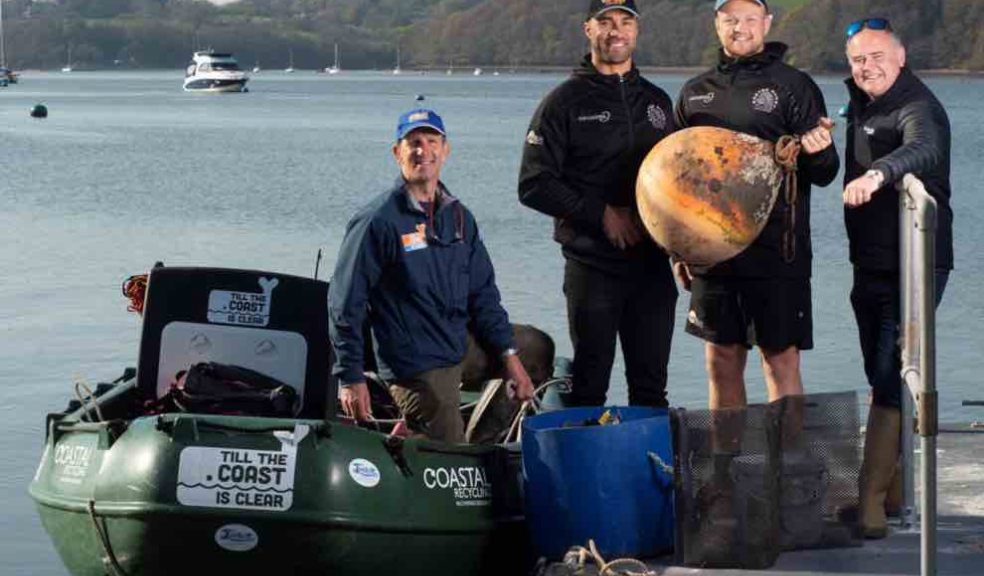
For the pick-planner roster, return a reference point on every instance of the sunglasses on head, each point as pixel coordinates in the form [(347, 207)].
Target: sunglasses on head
[(870, 23)]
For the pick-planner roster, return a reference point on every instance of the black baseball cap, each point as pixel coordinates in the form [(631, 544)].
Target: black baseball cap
[(599, 7)]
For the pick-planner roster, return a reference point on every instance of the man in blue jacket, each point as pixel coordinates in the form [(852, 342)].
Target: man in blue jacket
[(413, 261)]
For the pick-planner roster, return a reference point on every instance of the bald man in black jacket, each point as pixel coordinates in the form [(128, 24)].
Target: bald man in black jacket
[(895, 126)]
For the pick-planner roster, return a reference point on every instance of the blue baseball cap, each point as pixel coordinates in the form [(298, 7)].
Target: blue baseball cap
[(419, 118), (720, 4)]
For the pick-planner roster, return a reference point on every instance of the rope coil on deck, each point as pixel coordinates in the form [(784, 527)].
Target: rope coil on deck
[(577, 557)]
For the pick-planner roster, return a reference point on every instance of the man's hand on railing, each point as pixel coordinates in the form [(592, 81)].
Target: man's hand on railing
[(860, 190)]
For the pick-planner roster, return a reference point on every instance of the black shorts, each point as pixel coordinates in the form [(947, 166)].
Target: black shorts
[(771, 313)]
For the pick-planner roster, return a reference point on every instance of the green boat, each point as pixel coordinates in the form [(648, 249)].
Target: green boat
[(124, 488)]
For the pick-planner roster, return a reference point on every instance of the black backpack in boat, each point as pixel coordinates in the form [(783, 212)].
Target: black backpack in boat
[(213, 388)]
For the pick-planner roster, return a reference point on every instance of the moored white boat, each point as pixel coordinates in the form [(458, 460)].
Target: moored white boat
[(334, 68), (214, 72)]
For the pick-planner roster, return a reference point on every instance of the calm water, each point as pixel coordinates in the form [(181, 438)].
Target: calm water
[(129, 170)]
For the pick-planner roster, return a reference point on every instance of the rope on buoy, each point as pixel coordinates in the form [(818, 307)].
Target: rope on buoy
[(786, 155)]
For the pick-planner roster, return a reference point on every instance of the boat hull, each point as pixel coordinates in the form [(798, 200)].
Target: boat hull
[(183, 494), (214, 85)]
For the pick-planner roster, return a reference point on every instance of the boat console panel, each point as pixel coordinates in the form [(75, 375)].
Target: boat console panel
[(273, 323)]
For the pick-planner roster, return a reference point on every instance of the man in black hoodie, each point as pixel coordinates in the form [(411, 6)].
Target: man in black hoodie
[(895, 126), (582, 153), (761, 297)]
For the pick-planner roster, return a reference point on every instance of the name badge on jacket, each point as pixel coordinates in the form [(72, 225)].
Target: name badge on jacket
[(416, 240)]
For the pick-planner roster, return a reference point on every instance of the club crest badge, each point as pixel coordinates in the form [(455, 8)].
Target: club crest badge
[(765, 100), (657, 117)]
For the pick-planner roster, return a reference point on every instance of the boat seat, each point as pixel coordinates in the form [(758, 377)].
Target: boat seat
[(272, 323)]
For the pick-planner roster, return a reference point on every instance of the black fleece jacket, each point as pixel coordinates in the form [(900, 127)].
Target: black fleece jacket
[(762, 96), (905, 130), (583, 150)]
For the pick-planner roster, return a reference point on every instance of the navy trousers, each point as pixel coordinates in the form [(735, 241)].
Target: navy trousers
[(876, 300)]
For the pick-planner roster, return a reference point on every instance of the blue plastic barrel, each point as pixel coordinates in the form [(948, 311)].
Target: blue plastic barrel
[(611, 483)]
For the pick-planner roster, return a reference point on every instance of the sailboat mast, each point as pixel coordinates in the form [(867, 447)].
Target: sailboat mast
[(3, 48)]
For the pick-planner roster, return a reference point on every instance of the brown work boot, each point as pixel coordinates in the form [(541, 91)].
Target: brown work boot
[(881, 449), (893, 498)]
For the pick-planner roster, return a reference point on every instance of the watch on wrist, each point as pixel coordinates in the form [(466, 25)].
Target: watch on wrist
[(877, 175), (509, 352)]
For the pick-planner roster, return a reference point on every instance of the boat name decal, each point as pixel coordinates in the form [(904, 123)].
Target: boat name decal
[(236, 537), (73, 462), (240, 478), (469, 484), (242, 308), (364, 472)]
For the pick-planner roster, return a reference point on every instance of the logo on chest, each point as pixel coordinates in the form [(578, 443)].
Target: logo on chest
[(602, 117), (765, 100), (702, 99), (416, 240)]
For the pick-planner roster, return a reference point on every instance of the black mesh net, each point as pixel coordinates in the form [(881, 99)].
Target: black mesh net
[(757, 480), (821, 467)]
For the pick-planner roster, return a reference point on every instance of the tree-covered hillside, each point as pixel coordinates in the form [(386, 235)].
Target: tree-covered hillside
[(434, 33)]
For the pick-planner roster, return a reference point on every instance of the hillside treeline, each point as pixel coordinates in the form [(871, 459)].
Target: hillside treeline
[(459, 33)]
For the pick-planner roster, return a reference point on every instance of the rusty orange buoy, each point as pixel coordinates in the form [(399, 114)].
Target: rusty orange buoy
[(705, 193)]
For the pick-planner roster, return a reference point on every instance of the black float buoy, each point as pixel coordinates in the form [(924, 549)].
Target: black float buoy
[(39, 111), (420, 98)]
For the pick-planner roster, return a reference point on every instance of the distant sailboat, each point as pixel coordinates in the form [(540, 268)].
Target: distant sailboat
[(397, 69), (68, 65), (7, 76), (256, 67), (3, 47), (290, 64), (334, 69), (477, 72)]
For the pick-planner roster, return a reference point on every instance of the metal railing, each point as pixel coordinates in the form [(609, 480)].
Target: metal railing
[(917, 231)]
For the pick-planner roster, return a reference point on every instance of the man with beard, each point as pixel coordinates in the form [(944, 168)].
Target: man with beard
[(895, 126), (413, 261), (583, 150), (761, 297)]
